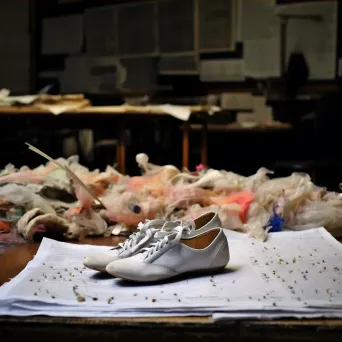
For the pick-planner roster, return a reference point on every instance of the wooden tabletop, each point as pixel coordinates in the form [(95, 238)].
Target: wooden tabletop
[(110, 110), (234, 127), (14, 259)]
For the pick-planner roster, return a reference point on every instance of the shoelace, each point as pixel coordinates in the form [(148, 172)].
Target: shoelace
[(170, 227), (144, 234), (171, 234), (134, 238)]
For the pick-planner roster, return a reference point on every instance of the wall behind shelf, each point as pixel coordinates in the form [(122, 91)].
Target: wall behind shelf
[(15, 46), (185, 80)]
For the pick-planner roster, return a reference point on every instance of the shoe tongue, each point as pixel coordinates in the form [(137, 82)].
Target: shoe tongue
[(191, 224), (171, 224), (167, 228)]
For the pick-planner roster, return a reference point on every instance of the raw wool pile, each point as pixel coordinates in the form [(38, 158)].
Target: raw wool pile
[(51, 202)]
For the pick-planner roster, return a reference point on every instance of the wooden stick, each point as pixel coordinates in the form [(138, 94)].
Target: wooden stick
[(67, 170), (185, 150)]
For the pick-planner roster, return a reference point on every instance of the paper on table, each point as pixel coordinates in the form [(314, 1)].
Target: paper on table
[(274, 276), (22, 311), (24, 99), (65, 258), (62, 35), (57, 109), (315, 39), (182, 112), (179, 112)]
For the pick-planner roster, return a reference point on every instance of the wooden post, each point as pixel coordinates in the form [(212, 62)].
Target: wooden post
[(186, 129)]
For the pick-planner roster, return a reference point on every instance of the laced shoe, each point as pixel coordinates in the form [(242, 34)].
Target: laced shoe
[(203, 251), (142, 238)]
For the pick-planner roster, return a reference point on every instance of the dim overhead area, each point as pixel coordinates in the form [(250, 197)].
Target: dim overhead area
[(171, 169)]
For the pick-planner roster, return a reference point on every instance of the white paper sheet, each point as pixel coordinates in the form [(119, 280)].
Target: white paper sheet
[(179, 112), (20, 310), (62, 35), (293, 271), (24, 99), (57, 109), (315, 39)]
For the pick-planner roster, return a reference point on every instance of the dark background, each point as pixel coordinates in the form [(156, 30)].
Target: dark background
[(312, 146)]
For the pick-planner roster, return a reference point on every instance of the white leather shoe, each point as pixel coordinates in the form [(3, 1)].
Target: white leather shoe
[(202, 224), (172, 255), (142, 238), (146, 235)]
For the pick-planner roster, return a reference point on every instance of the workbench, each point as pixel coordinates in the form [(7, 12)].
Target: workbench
[(123, 114), (165, 329)]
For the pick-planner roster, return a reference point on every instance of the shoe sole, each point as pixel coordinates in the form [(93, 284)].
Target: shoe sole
[(197, 272), (97, 269)]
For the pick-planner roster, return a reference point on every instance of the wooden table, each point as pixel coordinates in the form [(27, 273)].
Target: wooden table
[(150, 329), (124, 113)]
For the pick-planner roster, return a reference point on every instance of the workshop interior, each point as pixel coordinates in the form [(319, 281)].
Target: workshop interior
[(174, 161)]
